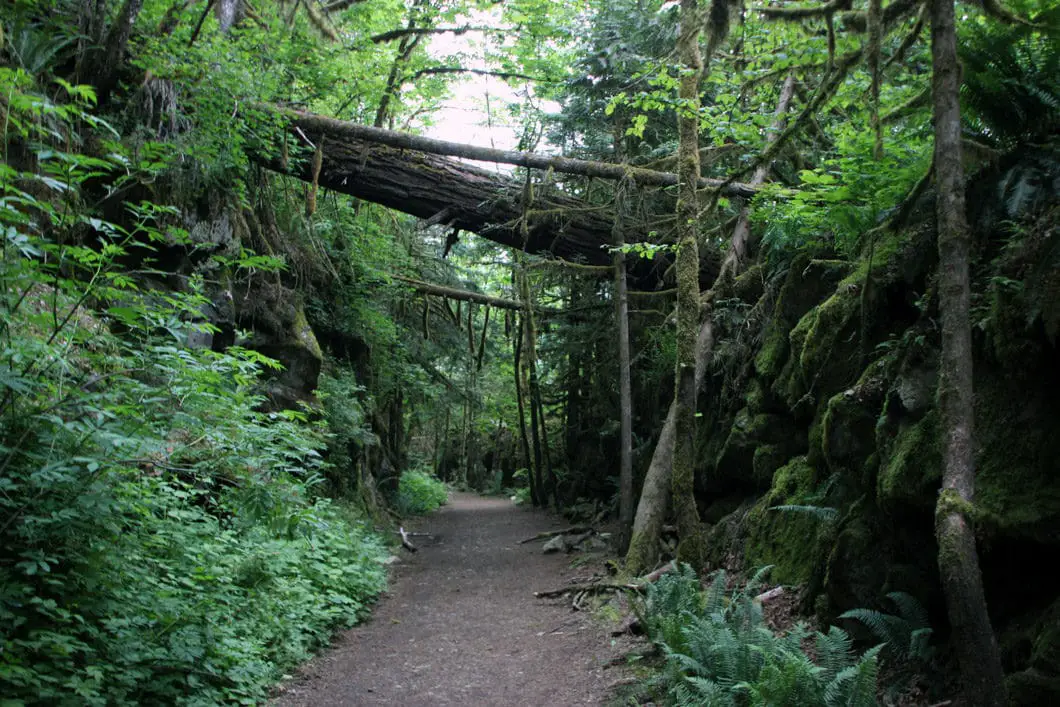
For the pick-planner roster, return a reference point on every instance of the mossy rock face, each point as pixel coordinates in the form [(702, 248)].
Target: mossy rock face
[(910, 462), (301, 357), (757, 397), (848, 431), (750, 284), (808, 282), (855, 572), (1032, 688), (1045, 655), (736, 462), (1018, 459), (789, 540)]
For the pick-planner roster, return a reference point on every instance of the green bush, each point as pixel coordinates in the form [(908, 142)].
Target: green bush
[(720, 653), (161, 537), (420, 493)]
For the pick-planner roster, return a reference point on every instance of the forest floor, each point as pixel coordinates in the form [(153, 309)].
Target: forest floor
[(460, 624)]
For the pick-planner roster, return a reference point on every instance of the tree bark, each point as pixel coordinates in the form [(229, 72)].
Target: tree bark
[(429, 288), (654, 502), (689, 527), (111, 61), (520, 399), (626, 501), (977, 652)]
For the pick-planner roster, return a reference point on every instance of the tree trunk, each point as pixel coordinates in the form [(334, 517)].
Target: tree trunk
[(626, 501), (113, 58), (973, 637), (340, 131), (655, 497), (520, 399), (689, 528), (530, 359)]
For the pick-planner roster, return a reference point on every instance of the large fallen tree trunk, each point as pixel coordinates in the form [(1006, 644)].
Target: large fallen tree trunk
[(447, 191), (314, 124)]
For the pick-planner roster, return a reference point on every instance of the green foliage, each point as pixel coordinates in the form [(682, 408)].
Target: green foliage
[(161, 538), (420, 493), (719, 650), (1011, 87), (906, 634)]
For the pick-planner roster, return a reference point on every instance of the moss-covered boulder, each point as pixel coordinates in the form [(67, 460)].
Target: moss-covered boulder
[(808, 281)]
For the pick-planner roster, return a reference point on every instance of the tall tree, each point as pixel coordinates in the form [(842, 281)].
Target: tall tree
[(974, 639), (689, 548)]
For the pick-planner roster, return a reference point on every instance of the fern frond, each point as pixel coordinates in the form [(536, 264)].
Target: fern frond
[(910, 609)]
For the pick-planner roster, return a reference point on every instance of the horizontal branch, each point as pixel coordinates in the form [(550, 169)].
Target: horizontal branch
[(429, 288), (422, 31), (439, 70)]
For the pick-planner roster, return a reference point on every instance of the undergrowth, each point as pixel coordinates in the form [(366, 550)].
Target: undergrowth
[(719, 652), (420, 493), (162, 536)]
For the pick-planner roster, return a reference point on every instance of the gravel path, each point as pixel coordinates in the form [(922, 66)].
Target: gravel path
[(461, 626)]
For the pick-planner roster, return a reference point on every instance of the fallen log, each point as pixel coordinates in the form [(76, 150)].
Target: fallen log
[(322, 125), (458, 195), (429, 288)]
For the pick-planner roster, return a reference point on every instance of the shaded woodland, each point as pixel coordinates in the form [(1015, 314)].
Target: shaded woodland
[(767, 284)]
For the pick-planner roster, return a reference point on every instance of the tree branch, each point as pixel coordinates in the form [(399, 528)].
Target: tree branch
[(421, 31), (436, 70)]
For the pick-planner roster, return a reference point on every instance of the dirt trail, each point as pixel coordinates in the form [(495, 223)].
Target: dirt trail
[(460, 625)]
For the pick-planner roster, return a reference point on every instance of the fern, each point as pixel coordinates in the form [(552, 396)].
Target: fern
[(1011, 86), (719, 651), (855, 686), (907, 634)]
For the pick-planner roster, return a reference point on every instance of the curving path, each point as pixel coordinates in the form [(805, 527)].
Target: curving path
[(461, 626)]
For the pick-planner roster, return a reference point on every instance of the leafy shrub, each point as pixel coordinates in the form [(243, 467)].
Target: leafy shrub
[(420, 493), (161, 539), (719, 651)]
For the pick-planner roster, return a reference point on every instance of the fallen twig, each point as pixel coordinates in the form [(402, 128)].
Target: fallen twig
[(553, 533), (596, 588), (655, 574), (405, 541)]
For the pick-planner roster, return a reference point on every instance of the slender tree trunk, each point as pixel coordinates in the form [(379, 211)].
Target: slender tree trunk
[(626, 501), (529, 356), (520, 399), (546, 454), (977, 652), (690, 532), (655, 496)]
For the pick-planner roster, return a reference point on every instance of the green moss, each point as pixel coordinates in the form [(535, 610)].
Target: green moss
[(774, 352), (1032, 688), (808, 281), (748, 434), (855, 574), (305, 334), (767, 459), (849, 433), (1018, 464), (756, 396), (788, 540)]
